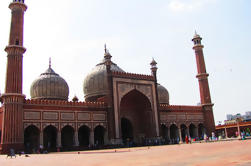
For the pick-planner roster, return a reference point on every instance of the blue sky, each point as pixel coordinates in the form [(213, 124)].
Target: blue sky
[(73, 34)]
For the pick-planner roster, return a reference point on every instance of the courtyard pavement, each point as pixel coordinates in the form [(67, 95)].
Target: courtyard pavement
[(229, 153)]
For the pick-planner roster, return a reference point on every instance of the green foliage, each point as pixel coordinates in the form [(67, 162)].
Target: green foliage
[(248, 130)]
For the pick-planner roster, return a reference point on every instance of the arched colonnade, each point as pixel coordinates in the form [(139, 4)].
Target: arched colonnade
[(176, 133), (68, 137)]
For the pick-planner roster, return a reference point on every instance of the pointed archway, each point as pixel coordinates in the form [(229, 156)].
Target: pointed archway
[(201, 131), (127, 130), (183, 128), (50, 137), (99, 134), (31, 138), (174, 134), (192, 130), (67, 136), (164, 132), (137, 107), (83, 136)]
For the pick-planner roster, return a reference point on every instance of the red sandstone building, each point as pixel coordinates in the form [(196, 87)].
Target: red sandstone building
[(118, 107)]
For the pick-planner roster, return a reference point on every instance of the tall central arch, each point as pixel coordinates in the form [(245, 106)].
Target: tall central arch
[(136, 115)]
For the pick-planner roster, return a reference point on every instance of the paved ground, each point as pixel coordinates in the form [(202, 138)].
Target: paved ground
[(229, 153)]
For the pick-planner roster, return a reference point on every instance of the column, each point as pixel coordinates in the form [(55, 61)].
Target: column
[(168, 133), (197, 132), (41, 138), (226, 132), (91, 138), (187, 132), (59, 139), (181, 141), (239, 131), (76, 138), (106, 140)]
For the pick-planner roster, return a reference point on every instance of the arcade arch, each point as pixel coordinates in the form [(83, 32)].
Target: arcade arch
[(99, 135), (164, 132), (31, 138), (50, 137), (67, 136), (201, 131), (183, 128), (174, 134), (83, 135), (192, 130)]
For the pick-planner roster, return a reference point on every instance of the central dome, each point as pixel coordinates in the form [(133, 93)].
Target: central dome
[(49, 86), (95, 83)]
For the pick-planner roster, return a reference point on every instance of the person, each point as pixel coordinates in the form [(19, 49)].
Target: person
[(178, 140), (12, 153), (186, 139), (189, 139)]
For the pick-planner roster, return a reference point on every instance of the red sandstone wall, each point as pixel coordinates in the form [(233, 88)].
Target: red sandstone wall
[(1, 117), (179, 108)]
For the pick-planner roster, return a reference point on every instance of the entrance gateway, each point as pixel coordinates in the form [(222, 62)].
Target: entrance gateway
[(136, 117)]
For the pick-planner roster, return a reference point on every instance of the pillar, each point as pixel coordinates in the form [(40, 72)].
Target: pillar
[(168, 134), (59, 139), (76, 138), (187, 132), (41, 138), (226, 132), (91, 138), (180, 136), (196, 131), (106, 139)]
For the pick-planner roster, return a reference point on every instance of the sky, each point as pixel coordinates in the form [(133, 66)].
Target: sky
[(73, 34)]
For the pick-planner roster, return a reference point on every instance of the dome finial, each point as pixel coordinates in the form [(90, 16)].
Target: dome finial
[(153, 63), (196, 35), (105, 48), (50, 62), (107, 55)]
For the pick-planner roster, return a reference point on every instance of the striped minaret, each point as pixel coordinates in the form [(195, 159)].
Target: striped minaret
[(12, 131)]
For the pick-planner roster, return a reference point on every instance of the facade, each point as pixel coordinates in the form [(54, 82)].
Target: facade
[(119, 107)]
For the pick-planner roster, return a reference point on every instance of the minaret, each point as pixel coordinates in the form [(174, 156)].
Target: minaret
[(154, 69), (109, 97), (12, 134), (202, 75)]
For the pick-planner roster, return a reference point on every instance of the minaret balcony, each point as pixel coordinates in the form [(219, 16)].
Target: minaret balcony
[(202, 76), (18, 4), (198, 46), (15, 50)]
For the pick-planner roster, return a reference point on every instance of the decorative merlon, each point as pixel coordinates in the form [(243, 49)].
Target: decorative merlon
[(133, 76), (66, 103)]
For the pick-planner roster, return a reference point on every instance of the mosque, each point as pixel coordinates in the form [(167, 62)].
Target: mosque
[(118, 107)]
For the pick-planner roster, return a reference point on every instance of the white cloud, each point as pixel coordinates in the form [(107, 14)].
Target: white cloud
[(187, 5)]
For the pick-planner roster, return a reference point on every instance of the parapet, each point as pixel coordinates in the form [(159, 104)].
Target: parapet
[(66, 103), (181, 108), (133, 76)]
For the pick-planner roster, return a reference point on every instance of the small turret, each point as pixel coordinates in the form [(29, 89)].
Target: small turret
[(75, 99), (154, 68), (107, 57)]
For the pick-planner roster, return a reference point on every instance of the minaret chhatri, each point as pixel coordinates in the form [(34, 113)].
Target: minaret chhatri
[(12, 134), (202, 76)]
